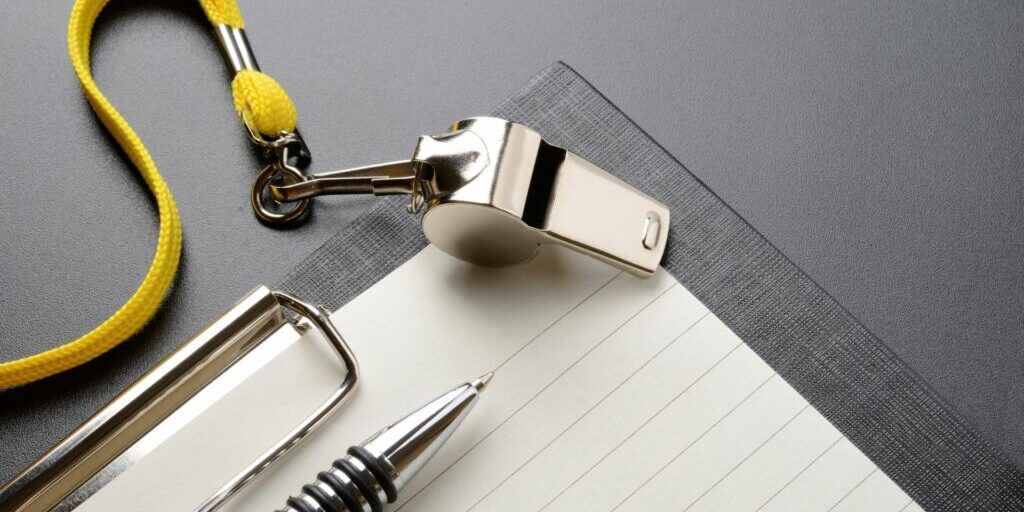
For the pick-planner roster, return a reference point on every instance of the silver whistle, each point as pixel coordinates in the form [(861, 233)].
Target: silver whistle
[(492, 191)]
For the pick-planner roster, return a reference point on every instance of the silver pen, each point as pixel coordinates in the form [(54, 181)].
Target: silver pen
[(374, 472)]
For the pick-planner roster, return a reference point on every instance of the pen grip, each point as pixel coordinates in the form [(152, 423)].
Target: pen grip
[(354, 483)]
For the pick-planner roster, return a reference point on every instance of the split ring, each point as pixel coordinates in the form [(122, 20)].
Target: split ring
[(269, 210)]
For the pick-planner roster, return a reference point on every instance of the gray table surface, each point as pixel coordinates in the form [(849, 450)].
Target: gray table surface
[(878, 145)]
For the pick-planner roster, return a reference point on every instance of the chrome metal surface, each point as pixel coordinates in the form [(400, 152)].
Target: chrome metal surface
[(311, 503), (234, 45), (321, 321), (349, 487), (228, 380), (364, 474), (382, 179), (264, 205), (406, 446), (494, 191), (333, 499), (447, 163), (238, 55), (283, 139), (440, 165), (165, 399), (652, 231), (386, 462), (116, 428), (533, 193)]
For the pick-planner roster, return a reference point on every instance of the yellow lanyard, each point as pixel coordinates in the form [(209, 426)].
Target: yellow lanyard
[(258, 98)]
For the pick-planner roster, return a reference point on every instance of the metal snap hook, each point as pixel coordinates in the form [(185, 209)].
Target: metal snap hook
[(283, 171)]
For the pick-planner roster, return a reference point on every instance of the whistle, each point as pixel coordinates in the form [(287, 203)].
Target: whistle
[(492, 192)]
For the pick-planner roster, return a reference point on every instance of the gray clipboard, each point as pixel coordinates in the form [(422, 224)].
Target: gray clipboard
[(849, 375)]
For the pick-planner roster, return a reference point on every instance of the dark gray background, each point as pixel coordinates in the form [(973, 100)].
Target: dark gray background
[(879, 146)]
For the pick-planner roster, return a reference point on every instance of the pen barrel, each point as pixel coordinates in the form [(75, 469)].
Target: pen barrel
[(372, 473), (354, 483)]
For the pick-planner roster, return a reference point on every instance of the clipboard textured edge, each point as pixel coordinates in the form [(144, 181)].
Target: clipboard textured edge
[(848, 374)]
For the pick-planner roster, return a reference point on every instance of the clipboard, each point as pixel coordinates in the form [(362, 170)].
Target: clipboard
[(845, 371), (871, 396), (152, 408)]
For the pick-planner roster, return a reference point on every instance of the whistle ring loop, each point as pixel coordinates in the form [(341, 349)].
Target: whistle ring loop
[(269, 210)]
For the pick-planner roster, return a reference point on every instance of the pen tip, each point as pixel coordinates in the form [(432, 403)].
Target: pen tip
[(481, 382)]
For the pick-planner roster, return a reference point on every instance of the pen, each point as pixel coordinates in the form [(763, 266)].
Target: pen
[(374, 472)]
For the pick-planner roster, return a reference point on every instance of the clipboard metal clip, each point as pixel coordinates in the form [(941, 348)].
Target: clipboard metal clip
[(492, 192), (165, 399)]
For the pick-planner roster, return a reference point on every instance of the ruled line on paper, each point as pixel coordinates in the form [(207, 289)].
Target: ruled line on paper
[(798, 475), (611, 393), (552, 324), (484, 499), (747, 457), (854, 488), (532, 398), (630, 436), (591, 409), (695, 441)]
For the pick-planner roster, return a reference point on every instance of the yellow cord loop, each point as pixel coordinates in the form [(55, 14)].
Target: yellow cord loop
[(223, 12), (264, 103), (259, 99)]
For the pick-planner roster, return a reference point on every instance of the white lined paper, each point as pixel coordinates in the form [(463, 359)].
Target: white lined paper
[(611, 393)]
